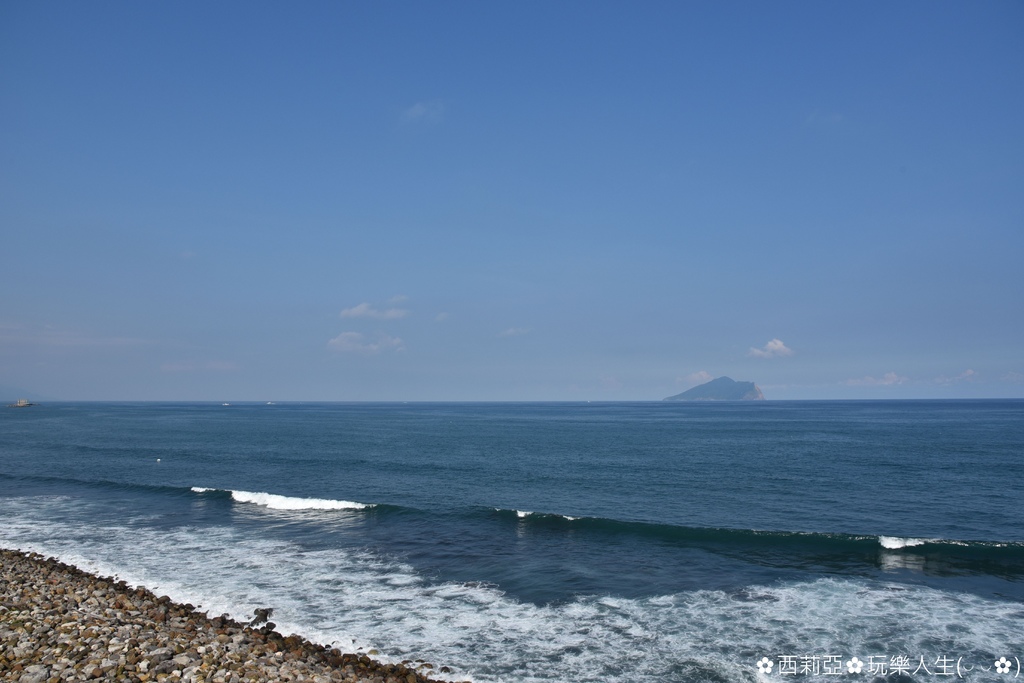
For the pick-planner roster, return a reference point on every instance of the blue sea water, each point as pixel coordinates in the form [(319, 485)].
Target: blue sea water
[(632, 542)]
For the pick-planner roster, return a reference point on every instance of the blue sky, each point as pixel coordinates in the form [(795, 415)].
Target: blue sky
[(510, 201)]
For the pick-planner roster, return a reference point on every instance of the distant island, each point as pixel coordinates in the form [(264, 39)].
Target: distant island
[(721, 389)]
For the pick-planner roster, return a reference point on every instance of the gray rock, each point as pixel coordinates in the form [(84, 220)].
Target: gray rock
[(160, 655), (164, 667), (34, 673)]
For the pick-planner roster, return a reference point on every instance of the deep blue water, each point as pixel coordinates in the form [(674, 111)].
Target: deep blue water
[(554, 542)]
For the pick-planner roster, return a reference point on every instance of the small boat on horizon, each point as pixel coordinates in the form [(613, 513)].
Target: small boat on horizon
[(21, 403)]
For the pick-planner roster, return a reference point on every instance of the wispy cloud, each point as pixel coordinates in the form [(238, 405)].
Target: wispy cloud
[(429, 111), (53, 336), (356, 342), (773, 349), (514, 332), (1015, 377), (194, 366), (441, 317), (366, 310), (965, 376), (820, 118), (695, 378), (888, 379)]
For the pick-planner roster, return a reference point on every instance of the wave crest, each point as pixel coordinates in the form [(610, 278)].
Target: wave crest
[(895, 543), (278, 502)]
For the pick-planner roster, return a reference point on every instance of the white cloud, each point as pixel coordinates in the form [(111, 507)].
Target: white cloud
[(358, 343), (365, 310), (440, 317), (513, 332), (888, 379), (773, 349), (1014, 377), (695, 378), (430, 111)]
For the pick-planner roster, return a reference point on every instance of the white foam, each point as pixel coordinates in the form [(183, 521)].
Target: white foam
[(353, 599), (201, 489), (522, 514), (276, 502), (894, 542)]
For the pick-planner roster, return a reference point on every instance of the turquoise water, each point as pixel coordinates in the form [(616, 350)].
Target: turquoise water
[(556, 542)]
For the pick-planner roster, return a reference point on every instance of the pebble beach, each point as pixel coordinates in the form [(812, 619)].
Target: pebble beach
[(59, 623)]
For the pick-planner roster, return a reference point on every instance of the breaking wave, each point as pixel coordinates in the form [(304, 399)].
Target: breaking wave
[(278, 502)]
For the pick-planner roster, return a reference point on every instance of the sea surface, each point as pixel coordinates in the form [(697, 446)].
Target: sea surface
[(529, 542)]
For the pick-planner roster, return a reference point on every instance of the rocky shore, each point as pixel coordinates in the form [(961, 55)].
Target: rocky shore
[(58, 623)]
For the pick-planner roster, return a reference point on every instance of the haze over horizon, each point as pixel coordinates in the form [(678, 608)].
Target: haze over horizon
[(510, 201)]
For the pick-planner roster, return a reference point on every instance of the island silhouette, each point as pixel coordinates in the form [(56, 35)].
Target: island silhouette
[(721, 389)]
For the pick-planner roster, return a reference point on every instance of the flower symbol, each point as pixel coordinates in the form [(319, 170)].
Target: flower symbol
[(854, 665), (1002, 666), (764, 665)]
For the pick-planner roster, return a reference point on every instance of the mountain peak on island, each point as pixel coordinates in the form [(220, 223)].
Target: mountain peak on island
[(721, 389)]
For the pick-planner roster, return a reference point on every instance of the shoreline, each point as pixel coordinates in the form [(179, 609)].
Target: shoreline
[(60, 623)]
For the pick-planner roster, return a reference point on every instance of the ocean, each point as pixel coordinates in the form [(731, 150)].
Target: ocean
[(557, 542)]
